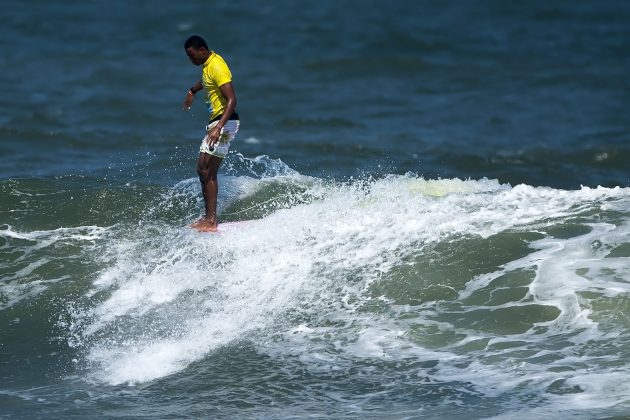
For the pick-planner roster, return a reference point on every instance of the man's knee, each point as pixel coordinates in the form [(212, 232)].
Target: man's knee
[(207, 167), (202, 172)]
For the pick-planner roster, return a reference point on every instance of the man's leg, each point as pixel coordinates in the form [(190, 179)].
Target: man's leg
[(207, 168)]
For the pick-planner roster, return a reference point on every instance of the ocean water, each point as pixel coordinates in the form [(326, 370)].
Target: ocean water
[(436, 197)]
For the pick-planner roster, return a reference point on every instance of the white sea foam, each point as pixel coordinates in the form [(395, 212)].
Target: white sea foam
[(47, 237), (172, 300)]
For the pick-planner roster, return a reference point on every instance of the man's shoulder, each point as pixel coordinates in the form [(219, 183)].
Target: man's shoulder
[(219, 61), (218, 66), (215, 62)]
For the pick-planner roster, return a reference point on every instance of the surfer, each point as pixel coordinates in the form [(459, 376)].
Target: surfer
[(223, 125)]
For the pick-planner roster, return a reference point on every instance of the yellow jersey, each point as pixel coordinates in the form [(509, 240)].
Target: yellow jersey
[(215, 74)]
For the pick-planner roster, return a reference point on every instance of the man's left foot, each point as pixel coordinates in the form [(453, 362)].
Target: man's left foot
[(204, 225)]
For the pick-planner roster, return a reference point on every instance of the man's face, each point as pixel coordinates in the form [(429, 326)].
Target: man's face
[(197, 56)]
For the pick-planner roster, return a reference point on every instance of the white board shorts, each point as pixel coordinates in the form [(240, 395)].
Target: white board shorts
[(228, 132)]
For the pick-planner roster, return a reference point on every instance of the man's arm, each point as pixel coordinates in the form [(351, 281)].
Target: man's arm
[(191, 94)]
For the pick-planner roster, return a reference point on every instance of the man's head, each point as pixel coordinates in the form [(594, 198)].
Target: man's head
[(197, 50)]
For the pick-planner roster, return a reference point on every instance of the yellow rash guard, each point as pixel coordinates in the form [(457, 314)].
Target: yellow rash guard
[(215, 74)]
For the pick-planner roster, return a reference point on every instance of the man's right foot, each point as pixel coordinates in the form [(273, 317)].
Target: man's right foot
[(204, 225)]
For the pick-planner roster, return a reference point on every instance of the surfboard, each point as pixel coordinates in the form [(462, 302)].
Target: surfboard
[(232, 225)]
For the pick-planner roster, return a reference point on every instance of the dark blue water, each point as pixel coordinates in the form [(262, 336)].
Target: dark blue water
[(437, 194)]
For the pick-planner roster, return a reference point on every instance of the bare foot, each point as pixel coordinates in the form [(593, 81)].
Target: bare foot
[(204, 225), (207, 229)]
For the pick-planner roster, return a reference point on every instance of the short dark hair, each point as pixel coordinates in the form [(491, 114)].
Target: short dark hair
[(196, 42)]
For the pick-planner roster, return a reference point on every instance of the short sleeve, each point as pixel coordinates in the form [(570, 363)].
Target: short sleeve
[(222, 74)]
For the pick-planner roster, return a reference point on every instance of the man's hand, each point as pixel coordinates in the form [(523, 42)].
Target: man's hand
[(213, 135), (188, 100)]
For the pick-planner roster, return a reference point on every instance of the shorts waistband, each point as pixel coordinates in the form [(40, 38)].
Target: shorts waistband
[(234, 116)]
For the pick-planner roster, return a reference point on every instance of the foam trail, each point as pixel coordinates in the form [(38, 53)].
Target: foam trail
[(169, 301)]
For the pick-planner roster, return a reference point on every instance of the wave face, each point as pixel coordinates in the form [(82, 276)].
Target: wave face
[(399, 292)]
